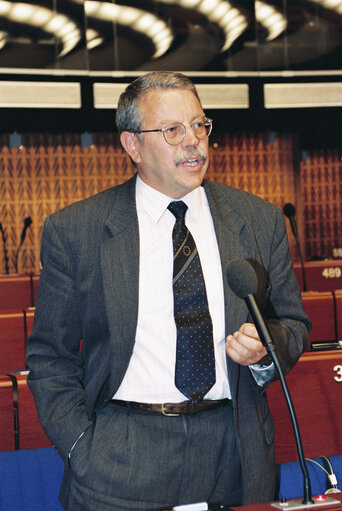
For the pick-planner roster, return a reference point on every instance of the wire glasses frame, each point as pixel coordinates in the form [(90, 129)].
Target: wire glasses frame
[(174, 132)]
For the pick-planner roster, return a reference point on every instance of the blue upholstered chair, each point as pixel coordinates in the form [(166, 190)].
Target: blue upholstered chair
[(290, 478), (30, 479)]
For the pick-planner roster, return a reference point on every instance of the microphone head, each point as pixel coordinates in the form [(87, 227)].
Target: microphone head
[(27, 221), (289, 210), (242, 278)]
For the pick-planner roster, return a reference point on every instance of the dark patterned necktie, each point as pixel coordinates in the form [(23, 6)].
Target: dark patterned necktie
[(195, 359)]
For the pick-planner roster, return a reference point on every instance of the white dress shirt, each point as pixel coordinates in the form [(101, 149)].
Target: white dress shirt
[(151, 371)]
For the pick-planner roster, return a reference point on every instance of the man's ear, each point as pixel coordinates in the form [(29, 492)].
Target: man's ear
[(130, 144)]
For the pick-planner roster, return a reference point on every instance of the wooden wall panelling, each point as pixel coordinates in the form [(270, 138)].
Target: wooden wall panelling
[(321, 182), (47, 173), (50, 171), (258, 163)]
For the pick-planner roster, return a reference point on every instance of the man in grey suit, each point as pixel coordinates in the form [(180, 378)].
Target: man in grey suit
[(129, 438)]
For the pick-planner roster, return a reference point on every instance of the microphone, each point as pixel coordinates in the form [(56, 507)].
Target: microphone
[(27, 223), (243, 281), (290, 211)]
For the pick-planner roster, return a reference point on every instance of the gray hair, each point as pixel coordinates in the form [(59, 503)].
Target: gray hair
[(128, 116)]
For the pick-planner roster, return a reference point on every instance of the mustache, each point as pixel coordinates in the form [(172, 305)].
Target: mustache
[(196, 153)]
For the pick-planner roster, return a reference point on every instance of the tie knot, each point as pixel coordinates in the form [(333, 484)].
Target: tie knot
[(178, 209)]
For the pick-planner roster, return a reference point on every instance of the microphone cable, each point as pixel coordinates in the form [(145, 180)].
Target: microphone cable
[(331, 476)]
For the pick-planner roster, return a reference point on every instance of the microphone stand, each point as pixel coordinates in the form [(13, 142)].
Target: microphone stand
[(302, 263), (16, 259), (243, 281), (265, 336), (289, 210), (267, 341), (4, 239), (27, 223)]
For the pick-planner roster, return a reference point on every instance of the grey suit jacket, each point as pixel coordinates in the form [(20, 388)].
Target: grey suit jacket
[(88, 290)]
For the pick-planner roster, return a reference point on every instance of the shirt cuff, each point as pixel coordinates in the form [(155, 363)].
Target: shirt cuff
[(262, 374)]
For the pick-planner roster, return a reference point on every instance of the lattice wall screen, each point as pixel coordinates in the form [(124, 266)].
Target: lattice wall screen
[(50, 171), (249, 162), (321, 183)]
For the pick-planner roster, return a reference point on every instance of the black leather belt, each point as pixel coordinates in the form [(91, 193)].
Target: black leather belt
[(173, 409)]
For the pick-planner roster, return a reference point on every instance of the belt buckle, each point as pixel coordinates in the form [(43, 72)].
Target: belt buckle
[(168, 414)]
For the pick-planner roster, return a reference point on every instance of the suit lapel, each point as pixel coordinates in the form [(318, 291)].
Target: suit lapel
[(120, 272), (234, 242)]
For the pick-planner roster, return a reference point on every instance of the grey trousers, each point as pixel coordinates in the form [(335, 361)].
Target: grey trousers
[(135, 460)]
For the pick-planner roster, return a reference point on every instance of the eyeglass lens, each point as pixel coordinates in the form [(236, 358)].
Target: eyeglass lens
[(174, 133)]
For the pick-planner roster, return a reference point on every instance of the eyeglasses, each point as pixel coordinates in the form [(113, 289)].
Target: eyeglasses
[(174, 132)]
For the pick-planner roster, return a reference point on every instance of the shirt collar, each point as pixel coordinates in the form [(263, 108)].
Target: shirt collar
[(155, 203)]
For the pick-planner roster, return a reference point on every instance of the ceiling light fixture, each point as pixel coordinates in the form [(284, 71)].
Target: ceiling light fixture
[(93, 38), (272, 19), (335, 5), (61, 26), (3, 38), (140, 21), (231, 21)]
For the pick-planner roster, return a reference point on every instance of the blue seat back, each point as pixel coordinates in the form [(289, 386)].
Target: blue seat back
[(290, 478), (30, 480)]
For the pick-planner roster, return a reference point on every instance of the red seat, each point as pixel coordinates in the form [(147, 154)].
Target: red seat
[(320, 275), (29, 434), (315, 385), (29, 316), (338, 299), (6, 414), (15, 292), (320, 308), (12, 341)]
